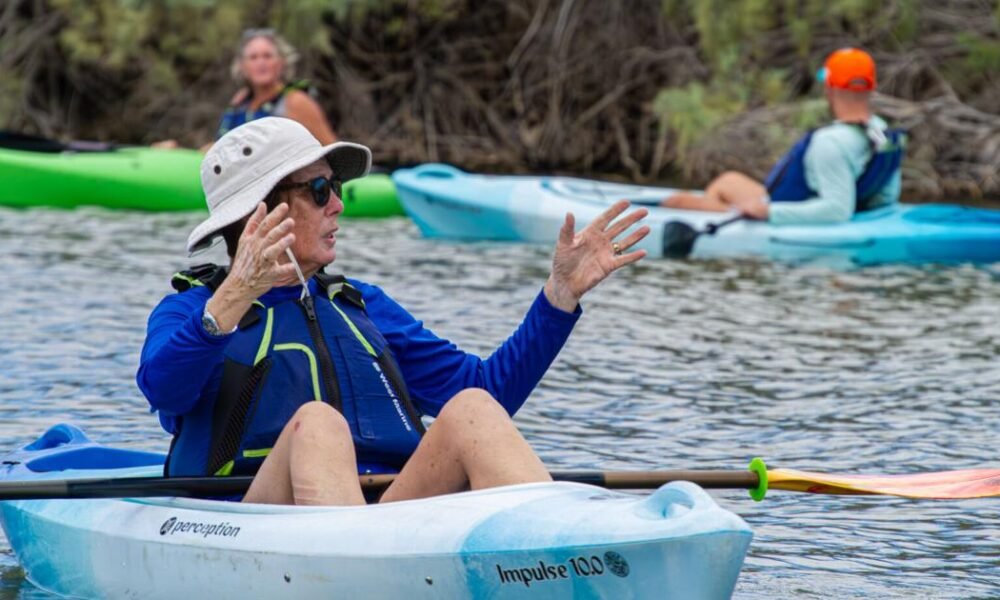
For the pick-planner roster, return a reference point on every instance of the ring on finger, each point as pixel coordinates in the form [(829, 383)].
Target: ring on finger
[(616, 248)]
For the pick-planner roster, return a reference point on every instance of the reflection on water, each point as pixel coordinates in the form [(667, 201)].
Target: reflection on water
[(674, 364)]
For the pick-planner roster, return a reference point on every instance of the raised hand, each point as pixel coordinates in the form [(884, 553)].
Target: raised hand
[(584, 259), (260, 262), (258, 266)]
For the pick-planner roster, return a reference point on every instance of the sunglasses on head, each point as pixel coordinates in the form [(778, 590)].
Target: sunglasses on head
[(319, 187), (249, 34)]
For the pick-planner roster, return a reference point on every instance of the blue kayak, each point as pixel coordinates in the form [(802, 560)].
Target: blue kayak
[(536, 540), (450, 204)]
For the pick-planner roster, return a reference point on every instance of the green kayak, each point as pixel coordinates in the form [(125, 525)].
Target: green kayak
[(38, 172)]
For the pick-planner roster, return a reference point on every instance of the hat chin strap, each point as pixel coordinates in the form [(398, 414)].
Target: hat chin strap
[(298, 272)]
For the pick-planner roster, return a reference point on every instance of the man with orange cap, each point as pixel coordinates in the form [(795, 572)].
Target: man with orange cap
[(850, 165)]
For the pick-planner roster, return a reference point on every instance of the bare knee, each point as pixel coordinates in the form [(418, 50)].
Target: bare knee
[(472, 406), (726, 180), (733, 176), (732, 186), (318, 417)]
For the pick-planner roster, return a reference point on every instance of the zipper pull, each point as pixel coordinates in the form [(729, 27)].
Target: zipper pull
[(307, 303)]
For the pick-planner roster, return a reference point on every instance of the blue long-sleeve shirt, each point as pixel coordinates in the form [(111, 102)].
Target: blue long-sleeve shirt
[(180, 361)]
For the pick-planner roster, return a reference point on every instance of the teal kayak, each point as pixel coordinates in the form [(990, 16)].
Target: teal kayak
[(447, 203), (539, 540), (39, 172)]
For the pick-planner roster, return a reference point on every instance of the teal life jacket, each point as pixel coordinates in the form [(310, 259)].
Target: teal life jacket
[(240, 113), (319, 348)]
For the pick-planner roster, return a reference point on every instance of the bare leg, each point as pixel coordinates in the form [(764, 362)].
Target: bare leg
[(721, 195), (473, 443), (690, 201), (312, 462)]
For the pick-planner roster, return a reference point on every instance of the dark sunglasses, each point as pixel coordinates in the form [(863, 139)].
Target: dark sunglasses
[(320, 187)]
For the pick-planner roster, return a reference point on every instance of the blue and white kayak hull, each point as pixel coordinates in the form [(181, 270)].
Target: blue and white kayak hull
[(547, 540), (447, 203)]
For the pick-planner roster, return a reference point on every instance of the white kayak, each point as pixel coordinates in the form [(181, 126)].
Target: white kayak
[(546, 540), (448, 203)]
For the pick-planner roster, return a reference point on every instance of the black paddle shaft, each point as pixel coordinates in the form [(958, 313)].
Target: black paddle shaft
[(202, 487), (134, 487), (30, 143)]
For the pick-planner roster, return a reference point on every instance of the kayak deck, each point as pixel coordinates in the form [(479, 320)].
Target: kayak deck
[(145, 179), (544, 539)]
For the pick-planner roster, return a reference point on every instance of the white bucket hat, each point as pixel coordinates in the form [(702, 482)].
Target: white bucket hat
[(244, 165)]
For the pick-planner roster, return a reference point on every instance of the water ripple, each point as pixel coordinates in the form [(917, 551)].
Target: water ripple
[(674, 365)]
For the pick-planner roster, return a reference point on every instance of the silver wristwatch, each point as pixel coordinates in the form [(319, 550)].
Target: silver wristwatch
[(211, 325)]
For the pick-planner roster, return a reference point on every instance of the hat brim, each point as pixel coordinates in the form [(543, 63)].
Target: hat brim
[(346, 159)]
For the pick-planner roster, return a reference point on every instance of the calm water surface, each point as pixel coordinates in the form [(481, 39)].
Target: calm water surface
[(674, 365)]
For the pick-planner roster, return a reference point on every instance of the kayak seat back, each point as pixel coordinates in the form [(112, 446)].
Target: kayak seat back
[(437, 171), (65, 447)]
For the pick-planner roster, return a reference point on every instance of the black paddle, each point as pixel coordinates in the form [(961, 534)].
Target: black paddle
[(32, 143), (967, 483), (199, 487), (679, 237)]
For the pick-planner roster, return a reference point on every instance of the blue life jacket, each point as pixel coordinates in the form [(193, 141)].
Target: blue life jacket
[(787, 180), (240, 113), (318, 348)]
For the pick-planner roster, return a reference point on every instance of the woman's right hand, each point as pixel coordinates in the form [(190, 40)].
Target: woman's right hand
[(258, 266), (260, 262)]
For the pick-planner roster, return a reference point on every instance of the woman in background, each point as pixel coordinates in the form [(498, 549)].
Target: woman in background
[(264, 69)]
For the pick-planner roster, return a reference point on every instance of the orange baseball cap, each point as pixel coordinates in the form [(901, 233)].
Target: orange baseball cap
[(850, 69)]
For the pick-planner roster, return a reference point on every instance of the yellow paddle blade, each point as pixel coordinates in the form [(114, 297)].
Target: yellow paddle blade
[(945, 485)]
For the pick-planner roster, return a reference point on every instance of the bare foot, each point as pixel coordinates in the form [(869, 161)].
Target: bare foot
[(165, 145)]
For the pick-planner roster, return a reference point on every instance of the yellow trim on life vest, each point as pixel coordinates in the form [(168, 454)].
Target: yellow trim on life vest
[(313, 370)]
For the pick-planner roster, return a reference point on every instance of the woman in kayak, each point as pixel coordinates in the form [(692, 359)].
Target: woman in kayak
[(851, 165), (263, 68), (234, 363)]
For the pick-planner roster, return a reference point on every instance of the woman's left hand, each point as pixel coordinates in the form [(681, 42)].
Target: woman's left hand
[(583, 260)]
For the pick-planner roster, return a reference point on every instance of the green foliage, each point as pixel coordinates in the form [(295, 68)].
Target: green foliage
[(907, 27), (692, 112), (11, 88), (983, 54), (729, 29), (738, 39), (139, 70), (976, 69), (772, 86), (745, 27), (810, 114), (854, 10)]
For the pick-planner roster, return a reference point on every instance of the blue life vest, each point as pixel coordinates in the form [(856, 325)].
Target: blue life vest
[(240, 113), (787, 180), (318, 348)]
